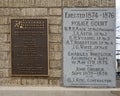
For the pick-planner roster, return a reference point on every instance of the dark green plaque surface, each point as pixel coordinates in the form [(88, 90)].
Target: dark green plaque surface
[(29, 47)]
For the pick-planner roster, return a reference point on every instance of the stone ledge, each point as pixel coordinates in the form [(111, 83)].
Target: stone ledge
[(14, 88), (56, 91)]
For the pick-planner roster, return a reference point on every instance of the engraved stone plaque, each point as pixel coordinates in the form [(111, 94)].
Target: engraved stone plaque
[(89, 47), (29, 47)]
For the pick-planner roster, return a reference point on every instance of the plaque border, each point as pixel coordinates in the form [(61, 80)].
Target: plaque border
[(23, 75)]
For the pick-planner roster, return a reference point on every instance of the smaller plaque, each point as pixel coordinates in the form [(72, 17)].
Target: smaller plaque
[(29, 43)]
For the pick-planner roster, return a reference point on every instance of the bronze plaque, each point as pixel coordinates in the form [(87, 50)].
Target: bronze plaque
[(29, 47)]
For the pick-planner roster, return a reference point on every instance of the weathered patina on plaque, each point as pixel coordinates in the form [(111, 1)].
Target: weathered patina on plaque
[(29, 47)]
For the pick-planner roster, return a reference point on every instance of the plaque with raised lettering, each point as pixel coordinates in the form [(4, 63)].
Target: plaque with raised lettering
[(89, 47), (29, 47)]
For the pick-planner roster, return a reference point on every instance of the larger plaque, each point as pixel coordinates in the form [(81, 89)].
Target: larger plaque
[(29, 46), (89, 47)]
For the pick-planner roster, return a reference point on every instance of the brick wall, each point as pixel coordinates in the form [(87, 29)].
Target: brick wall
[(52, 9)]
